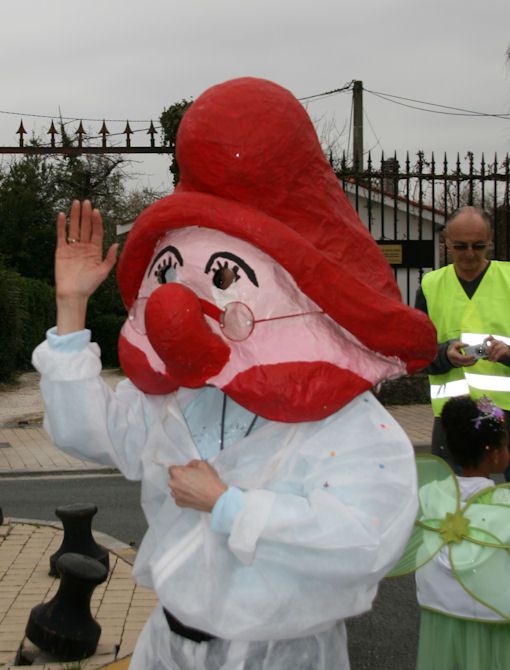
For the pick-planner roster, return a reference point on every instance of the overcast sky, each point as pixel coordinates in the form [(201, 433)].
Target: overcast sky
[(119, 59)]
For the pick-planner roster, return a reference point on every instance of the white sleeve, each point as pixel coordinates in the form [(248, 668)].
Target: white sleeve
[(356, 524), (83, 416)]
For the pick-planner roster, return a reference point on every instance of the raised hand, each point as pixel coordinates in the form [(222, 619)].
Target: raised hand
[(79, 264)]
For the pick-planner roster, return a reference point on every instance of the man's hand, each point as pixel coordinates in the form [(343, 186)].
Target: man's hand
[(79, 264), (456, 357), (497, 351), (196, 485)]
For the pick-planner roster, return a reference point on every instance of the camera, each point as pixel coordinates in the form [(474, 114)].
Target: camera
[(477, 350)]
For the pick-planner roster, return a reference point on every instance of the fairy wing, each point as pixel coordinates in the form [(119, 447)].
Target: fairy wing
[(439, 501), (477, 536), (481, 561)]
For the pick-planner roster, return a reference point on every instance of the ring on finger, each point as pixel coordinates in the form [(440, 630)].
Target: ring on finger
[(72, 240)]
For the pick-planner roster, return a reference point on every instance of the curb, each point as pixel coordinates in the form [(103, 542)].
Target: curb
[(60, 472), (107, 471), (117, 547)]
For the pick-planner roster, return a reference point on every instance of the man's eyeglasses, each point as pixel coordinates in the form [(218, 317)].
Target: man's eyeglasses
[(464, 246)]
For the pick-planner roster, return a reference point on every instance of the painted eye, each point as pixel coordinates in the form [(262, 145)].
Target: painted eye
[(224, 275), (165, 271), (227, 268), (164, 265)]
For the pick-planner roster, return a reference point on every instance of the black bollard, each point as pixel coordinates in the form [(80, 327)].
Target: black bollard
[(77, 522), (64, 626)]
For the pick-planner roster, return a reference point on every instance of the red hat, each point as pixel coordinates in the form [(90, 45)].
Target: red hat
[(251, 166)]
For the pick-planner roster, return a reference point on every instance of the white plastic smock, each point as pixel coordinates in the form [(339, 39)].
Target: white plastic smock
[(328, 508)]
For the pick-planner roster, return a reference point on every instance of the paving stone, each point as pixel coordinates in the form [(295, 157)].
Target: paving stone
[(27, 587)]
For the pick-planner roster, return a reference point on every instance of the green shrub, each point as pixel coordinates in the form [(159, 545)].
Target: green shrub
[(37, 313), (26, 311), (105, 331), (11, 323), (105, 317), (407, 390)]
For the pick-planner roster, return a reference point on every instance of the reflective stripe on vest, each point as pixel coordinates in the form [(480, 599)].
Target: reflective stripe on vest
[(449, 390), (487, 382), (471, 380)]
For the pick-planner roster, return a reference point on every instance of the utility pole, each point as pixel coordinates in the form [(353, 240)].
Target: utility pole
[(357, 131)]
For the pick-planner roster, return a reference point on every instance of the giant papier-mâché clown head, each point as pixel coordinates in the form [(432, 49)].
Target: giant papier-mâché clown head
[(256, 275)]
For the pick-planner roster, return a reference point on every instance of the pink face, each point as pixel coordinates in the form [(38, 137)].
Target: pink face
[(213, 309)]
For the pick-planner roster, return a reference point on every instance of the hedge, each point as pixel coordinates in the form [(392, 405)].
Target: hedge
[(10, 320), (37, 314), (26, 311), (105, 331)]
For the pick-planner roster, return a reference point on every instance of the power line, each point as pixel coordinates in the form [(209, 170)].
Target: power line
[(459, 111), (71, 118), (343, 89), (378, 142), (315, 96), (389, 97)]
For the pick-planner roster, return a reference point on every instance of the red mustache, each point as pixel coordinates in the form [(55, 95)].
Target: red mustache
[(179, 334)]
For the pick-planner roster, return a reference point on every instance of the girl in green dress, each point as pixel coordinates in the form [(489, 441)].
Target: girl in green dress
[(464, 590)]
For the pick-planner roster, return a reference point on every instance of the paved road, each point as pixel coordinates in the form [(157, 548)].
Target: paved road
[(118, 501), (383, 639), (387, 637)]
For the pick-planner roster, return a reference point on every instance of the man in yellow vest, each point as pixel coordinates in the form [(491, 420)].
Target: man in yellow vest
[(469, 304)]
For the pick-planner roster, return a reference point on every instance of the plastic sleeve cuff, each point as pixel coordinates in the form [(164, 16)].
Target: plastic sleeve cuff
[(71, 342), (226, 509)]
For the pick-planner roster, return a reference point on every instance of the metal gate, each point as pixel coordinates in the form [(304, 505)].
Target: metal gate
[(405, 206), (403, 203)]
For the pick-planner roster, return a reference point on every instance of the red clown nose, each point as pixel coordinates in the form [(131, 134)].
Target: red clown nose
[(179, 334)]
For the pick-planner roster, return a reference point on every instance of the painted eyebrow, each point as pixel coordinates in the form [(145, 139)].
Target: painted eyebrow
[(171, 248), (232, 257)]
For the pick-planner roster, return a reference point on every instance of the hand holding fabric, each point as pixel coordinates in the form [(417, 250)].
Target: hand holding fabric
[(196, 485)]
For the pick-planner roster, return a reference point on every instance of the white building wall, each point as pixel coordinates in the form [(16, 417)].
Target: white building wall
[(398, 220)]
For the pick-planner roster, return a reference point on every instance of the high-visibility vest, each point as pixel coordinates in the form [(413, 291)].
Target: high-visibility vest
[(455, 316)]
